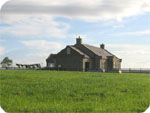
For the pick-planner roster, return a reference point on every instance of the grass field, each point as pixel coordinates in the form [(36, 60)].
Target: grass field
[(73, 92)]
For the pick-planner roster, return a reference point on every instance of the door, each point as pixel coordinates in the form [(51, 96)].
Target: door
[(109, 64), (87, 65)]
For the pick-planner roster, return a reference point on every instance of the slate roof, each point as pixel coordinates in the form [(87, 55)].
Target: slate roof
[(51, 55), (79, 51), (98, 51)]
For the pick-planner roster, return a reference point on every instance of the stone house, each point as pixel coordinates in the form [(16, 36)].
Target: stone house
[(83, 57)]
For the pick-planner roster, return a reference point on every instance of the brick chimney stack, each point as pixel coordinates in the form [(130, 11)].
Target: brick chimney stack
[(79, 40), (102, 46)]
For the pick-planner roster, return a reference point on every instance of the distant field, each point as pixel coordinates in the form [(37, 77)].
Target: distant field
[(71, 92)]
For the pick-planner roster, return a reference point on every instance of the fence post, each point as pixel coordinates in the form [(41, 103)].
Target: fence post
[(140, 70)]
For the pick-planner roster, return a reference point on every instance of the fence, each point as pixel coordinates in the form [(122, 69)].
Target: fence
[(16, 68), (127, 70), (136, 70)]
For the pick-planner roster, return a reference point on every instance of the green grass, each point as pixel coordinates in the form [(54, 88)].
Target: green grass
[(73, 92)]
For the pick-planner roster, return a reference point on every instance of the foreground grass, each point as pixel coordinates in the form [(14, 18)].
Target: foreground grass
[(51, 91)]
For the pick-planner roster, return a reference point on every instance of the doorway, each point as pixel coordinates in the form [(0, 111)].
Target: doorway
[(87, 65)]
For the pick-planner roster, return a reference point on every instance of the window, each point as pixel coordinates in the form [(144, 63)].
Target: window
[(68, 50), (51, 65), (114, 65)]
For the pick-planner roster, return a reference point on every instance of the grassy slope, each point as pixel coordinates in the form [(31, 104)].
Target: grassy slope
[(51, 91)]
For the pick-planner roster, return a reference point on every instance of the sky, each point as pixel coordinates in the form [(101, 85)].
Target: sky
[(32, 29)]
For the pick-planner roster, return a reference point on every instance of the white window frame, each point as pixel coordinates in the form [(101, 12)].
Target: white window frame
[(51, 65), (114, 64), (68, 50)]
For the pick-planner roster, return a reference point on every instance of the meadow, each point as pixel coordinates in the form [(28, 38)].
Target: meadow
[(26, 91)]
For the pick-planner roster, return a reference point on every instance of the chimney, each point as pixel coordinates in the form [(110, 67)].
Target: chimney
[(78, 40), (102, 46)]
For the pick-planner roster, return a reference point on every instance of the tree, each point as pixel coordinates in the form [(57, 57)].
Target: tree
[(6, 62)]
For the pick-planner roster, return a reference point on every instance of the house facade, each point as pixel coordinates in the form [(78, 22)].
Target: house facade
[(83, 57)]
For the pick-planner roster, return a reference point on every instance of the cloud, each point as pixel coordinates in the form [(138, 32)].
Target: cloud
[(2, 50), (32, 58), (133, 56), (83, 9), (2, 40), (2, 3), (36, 18), (137, 33), (35, 26), (38, 51), (42, 45)]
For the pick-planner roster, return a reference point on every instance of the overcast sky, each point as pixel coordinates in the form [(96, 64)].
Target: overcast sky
[(32, 29)]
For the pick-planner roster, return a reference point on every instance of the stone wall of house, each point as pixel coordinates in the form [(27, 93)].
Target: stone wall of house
[(113, 63), (116, 63), (103, 64), (51, 59), (109, 63), (72, 61), (91, 65), (95, 59), (97, 62), (69, 63)]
